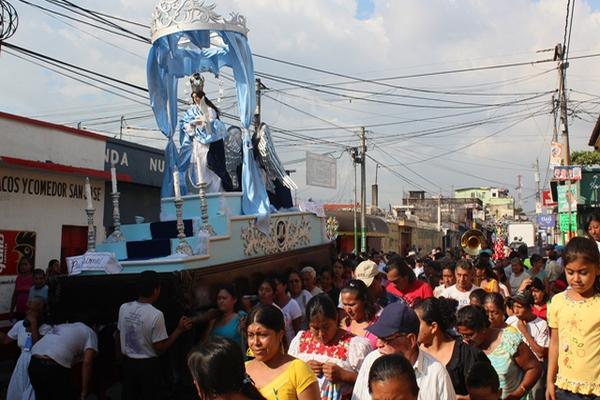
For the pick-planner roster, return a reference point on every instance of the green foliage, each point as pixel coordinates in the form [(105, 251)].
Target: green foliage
[(585, 158)]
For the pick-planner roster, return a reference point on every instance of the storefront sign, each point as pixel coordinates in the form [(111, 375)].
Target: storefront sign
[(564, 222), (566, 173), (18, 184), (545, 221), (547, 199), (15, 245), (142, 164), (93, 262), (566, 199)]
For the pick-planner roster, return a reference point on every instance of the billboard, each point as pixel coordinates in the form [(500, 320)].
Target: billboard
[(143, 164), (321, 171), (564, 222), (545, 221), (590, 187), (547, 199), (556, 154), (566, 199), (566, 173), (15, 245)]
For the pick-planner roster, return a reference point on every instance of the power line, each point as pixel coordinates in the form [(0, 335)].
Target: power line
[(472, 143)]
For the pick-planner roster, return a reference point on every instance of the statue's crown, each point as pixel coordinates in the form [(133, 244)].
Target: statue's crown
[(171, 16)]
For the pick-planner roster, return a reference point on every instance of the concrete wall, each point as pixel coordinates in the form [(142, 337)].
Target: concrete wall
[(40, 143), (26, 206)]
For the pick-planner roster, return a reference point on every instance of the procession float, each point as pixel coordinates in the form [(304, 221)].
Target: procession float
[(226, 211)]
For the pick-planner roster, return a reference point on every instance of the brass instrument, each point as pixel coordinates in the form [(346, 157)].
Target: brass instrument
[(471, 241)]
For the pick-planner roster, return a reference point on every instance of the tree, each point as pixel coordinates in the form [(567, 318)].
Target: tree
[(585, 158)]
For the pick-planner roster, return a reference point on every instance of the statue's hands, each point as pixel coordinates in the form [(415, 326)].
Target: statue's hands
[(200, 120)]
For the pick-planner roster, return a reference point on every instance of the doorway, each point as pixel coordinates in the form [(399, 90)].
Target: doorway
[(73, 243)]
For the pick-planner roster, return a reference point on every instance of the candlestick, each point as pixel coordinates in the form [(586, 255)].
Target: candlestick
[(88, 194), (113, 179), (183, 247), (205, 226), (91, 245), (176, 187), (116, 235)]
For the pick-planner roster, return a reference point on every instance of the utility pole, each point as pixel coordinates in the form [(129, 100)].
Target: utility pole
[(375, 193), (562, 69), (439, 213), (121, 128), (363, 191), (538, 204), (259, 88), (559, 55), (536, 176), (519, 192), (355, 160), (554, 127)]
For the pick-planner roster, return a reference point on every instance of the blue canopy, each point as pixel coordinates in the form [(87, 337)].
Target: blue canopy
[(168, 61)]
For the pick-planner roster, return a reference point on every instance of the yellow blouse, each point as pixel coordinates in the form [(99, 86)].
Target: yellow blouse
[(289, 384), (578, 325)]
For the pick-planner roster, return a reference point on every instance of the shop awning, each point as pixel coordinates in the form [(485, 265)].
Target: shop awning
[(376, 226)]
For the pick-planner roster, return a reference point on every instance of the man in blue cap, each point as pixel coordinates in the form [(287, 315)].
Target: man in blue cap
[(397, 330)]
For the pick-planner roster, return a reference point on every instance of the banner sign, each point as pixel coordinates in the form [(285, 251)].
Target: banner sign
[(556, 154), (15, 245), (94, 262), (565, 198), (312, 207), (590, 187), (19, 183), (547, 199), (145, 165), (567, 173), (545, 221), (564, 222), (321, 171)]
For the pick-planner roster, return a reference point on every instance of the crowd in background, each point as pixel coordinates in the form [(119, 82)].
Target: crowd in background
[(378, 326), (520, 327)]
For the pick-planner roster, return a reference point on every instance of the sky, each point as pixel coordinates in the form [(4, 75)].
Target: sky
[(428, 129)]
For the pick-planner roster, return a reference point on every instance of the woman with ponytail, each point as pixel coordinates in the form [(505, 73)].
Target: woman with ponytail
[(437, 319), (217, 367)]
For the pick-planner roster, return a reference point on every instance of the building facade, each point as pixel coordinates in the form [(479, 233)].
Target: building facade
[(496, 201), (43, 168)]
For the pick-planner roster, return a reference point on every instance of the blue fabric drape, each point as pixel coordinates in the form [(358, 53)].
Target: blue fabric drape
[(167, 62)]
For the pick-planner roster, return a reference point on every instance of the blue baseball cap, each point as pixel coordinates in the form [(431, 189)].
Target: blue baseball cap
[(395, 317)]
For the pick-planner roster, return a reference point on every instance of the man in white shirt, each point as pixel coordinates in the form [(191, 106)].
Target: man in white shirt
[(53, 356), (143, 336), (397, 330), (292, 313), (464, 284), (309, 280), (535, 333)]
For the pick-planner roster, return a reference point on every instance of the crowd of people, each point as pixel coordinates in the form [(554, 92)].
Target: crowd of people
[(391, 327), (375, 327)]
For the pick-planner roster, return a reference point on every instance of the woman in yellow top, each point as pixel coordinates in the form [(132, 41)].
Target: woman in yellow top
[(485, 278), (277, 375), (574, 321)]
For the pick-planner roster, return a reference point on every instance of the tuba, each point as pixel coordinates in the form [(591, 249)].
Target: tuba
[(471, 241)]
